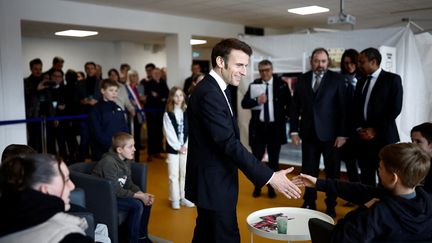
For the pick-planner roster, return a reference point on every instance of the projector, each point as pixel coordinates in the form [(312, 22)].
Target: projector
[(342, 19)]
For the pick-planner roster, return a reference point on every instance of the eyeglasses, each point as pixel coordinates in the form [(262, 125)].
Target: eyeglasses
[(264, 70)]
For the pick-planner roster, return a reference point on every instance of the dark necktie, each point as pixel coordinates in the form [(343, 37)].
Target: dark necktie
[(266, 106), (228, 95), (317, 82), (366, 88)]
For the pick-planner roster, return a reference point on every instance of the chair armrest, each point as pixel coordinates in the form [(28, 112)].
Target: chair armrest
[(77, 197), (139, 175), (100, 200)]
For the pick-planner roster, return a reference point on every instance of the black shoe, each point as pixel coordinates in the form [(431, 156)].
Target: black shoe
[(256, 192), (331, 212), (309, 205), (349, 204), (271, 192)]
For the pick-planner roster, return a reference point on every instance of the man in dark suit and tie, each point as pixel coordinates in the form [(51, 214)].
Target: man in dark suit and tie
[(267, 126), (377, 103), (215, 153), (320, 101)]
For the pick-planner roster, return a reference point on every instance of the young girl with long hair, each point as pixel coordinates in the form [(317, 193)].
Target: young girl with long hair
[(176, 132)]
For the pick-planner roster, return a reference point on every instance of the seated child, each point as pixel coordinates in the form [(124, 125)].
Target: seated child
[(106, 118), (115, 166), (422, 135), (397, 211)]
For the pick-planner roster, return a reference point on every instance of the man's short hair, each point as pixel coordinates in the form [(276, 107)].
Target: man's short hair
[(119, 140), (106, 83), (13, 150), (408, 160), (318, 50), (90, 63), (124, 66), (223, 49), (265, 62), (372, 54), (57, 60), (36, 61), (425, 129), (150, 65)]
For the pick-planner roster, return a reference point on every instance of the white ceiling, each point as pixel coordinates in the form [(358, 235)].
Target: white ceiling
[(260, 13)]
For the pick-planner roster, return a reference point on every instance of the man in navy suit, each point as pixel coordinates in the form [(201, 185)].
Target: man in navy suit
[(320, 101), (377, 103), (215, 153), (267, 126)]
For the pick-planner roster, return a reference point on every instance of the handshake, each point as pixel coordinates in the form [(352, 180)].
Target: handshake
[(290, 188)]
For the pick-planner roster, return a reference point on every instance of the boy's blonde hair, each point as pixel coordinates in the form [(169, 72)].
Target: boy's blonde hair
[(119, 140), (170, 101), (408, 160)]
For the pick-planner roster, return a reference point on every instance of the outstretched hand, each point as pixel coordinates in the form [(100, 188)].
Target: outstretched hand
[(281, 183), (304, 180)]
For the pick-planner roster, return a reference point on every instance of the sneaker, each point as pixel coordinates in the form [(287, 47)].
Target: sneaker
[(187, 203), (175, 205)]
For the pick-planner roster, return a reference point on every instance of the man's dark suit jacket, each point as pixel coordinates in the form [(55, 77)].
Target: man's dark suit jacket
[(281, 104), (323, 111), (215, 153), (385, 104)]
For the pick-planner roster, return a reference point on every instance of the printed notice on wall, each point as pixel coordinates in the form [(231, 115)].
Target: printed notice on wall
[(388, 61)]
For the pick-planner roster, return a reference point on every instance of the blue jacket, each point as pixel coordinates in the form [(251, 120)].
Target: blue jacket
[(106, 119)]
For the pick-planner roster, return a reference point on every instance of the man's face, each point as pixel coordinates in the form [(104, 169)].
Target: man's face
[(36, 70), (365, 66), (90, 70), (196, 69), (417, 137), (235, 68), (58, 66), (319, 62), (157, 74), (57, 77), (127, 151), (149, 71), (266, 72), (110, 93)]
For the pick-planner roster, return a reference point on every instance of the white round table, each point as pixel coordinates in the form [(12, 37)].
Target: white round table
[(297, 228)]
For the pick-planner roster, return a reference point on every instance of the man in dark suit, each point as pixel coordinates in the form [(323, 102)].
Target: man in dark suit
[(377, 103), (215, 153), (267, 126), (320, 100)]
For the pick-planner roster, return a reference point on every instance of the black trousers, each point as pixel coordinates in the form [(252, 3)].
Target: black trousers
[(368, 160), (265, 139), (216, 227), (154, 132), (312, 148)]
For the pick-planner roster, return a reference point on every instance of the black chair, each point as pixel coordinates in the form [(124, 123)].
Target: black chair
[(78, 208), (100, 195)]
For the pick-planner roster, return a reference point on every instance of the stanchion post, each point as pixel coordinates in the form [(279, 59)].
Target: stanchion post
[(44, 135)]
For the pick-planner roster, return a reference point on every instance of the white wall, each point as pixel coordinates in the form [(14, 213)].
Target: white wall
[(13, 67), (77, 52)]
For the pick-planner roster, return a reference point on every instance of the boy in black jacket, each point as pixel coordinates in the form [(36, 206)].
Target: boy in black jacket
[(397, 211), (106, 118)]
